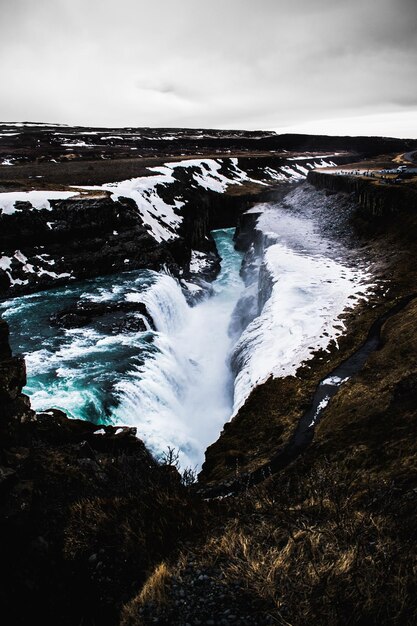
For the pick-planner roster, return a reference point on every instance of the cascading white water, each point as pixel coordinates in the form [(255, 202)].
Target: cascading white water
[(182, 394), (165, 302)]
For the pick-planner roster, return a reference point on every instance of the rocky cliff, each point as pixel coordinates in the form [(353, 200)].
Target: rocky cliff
[(378, 202), (84, 511), (377, 220)]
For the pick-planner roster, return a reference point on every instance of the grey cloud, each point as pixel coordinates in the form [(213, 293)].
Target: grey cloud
[(235, 63)]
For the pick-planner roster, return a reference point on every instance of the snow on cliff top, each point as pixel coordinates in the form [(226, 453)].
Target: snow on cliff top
[(161, 217), (38, 199)]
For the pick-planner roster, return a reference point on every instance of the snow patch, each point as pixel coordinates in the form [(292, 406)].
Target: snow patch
[(5, 262), (322, 405), (42, 272), (292, 173), (191, 287), (162, 218), (76, 144), (199, 261), (38, 199)]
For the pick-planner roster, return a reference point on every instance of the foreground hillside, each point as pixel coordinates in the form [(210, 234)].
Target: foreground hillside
[(304, 511)]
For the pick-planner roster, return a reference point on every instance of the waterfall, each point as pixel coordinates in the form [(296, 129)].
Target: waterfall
[(182, 393), (165, 303), (152, 394), (173, 381)]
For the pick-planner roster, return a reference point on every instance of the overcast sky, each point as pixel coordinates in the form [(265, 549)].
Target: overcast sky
[(336, 66)]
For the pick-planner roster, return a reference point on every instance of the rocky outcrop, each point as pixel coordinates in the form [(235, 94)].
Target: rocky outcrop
[(175, 208), (128, 316), (90, 236), (14, 406), (244, 234)]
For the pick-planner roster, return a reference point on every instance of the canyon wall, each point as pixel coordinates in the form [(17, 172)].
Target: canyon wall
[(379, 204)]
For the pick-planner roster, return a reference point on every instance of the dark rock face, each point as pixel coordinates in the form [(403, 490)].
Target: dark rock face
[(14, 406), (5, 351), (244, 230), (91, 235), (385, 209), (85, 511), (84, 313), (4, 281), (79, 238)]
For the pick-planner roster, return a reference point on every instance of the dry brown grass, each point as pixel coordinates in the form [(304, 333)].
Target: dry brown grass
[(153, 592), (320, 546), (112, 543)]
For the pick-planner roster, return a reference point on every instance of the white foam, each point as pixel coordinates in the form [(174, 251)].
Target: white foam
[(301, 316), (302, 293)]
